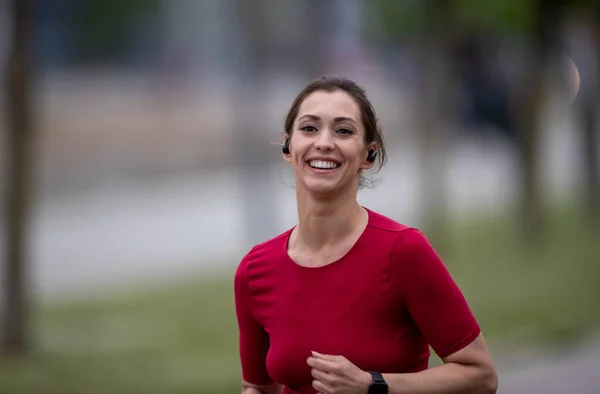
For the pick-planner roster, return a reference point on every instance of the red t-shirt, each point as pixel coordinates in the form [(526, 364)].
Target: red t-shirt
[(381, 306)]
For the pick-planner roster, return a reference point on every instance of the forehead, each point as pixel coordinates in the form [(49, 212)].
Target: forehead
[(330, 105)]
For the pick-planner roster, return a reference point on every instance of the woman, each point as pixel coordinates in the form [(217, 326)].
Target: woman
[(349, 301)]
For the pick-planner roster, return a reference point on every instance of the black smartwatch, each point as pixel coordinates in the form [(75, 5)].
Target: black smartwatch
[(378, 385)]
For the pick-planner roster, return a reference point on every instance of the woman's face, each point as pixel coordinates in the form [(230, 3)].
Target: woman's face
[(327, 146)]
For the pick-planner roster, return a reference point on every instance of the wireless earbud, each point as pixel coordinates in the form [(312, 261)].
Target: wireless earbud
[(372, 155), (285, 147)]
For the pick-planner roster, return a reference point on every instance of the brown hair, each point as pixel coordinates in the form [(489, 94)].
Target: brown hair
[(373, 132)]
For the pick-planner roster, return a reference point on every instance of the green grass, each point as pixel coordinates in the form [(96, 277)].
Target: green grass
[(539, 296), (182, 338), (176, 340)]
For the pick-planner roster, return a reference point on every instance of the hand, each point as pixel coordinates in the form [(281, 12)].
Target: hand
[(337, 375)]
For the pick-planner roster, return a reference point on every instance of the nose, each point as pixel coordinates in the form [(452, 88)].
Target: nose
[(325, 141)]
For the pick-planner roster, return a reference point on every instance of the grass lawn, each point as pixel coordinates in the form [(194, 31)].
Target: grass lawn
[(182, 338)]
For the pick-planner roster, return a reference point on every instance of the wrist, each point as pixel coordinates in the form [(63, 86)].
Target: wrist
[(365, 381)]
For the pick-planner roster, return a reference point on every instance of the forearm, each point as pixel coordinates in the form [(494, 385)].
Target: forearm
[(449, 378)]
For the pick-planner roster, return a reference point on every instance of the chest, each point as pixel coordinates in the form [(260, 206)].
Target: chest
[(330, 295), (350, 311)]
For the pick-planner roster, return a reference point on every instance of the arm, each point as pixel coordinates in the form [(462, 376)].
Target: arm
[(441, 313), (253, 340), (469, 370)]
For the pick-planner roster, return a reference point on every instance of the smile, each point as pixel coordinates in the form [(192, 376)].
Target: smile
[(323, 164)]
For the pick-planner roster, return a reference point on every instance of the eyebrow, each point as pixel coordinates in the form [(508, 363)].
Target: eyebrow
[(336, 119)]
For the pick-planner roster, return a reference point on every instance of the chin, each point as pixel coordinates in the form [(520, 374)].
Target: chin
[(324, 188)]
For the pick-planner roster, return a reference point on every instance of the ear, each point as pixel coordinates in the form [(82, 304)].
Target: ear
[(367, 164), (287, 157), (286, 154)]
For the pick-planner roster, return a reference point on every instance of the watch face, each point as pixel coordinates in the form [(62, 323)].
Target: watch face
[(378, 388)]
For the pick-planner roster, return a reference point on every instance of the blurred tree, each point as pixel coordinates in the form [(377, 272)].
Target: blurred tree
[(485, 84), (251, 145), (436, 73), (536, 22), (541, 52), (587, 58), (105, 27), (14, 300), (539, 23), (429, 28), (592, 128)]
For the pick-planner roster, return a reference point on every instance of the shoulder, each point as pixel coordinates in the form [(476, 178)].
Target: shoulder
[(408, 245), (393, 232), (263, 254), (265, 250), (386, 224), (401, 242), (413, 258)]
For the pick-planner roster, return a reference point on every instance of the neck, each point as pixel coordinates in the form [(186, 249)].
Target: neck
[(326, 221)]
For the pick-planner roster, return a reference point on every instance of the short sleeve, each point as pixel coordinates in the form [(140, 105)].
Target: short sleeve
[(432, 297), (253, 339)]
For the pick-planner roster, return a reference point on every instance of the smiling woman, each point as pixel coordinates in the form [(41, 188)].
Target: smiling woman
[(350, 301), (356, 116)]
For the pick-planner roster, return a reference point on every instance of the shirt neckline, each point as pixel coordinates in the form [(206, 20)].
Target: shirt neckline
[(334, 263)]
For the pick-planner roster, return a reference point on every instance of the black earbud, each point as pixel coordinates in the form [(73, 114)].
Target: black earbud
[(285, 148), (372, 155)]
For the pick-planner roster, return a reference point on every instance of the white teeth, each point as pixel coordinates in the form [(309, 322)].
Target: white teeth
[(325, 165)]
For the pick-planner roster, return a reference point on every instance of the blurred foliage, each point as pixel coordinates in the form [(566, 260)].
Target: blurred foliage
[(409, 17), (104, 26), (183, 338), (508, 16), (405, 18)]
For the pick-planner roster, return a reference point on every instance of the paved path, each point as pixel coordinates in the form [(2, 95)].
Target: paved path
[(573, 372)]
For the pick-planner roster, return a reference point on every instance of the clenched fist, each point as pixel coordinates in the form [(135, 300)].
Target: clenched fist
[(337, 375)]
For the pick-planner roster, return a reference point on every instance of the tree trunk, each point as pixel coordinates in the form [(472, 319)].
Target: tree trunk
[(591, 139), (529, 104), (15, 303), (584, 48), (528, 127), (435, 68)]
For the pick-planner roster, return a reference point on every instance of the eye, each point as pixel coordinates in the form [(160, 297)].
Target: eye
[(344, 130), (308, 128)]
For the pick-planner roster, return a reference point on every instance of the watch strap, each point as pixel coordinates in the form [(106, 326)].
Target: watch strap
[(379, 385)]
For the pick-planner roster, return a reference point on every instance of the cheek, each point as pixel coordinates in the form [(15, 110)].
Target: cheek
[(358, 153), (298, 148)]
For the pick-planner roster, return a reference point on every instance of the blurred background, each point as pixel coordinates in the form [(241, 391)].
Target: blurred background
[(140, 162)]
